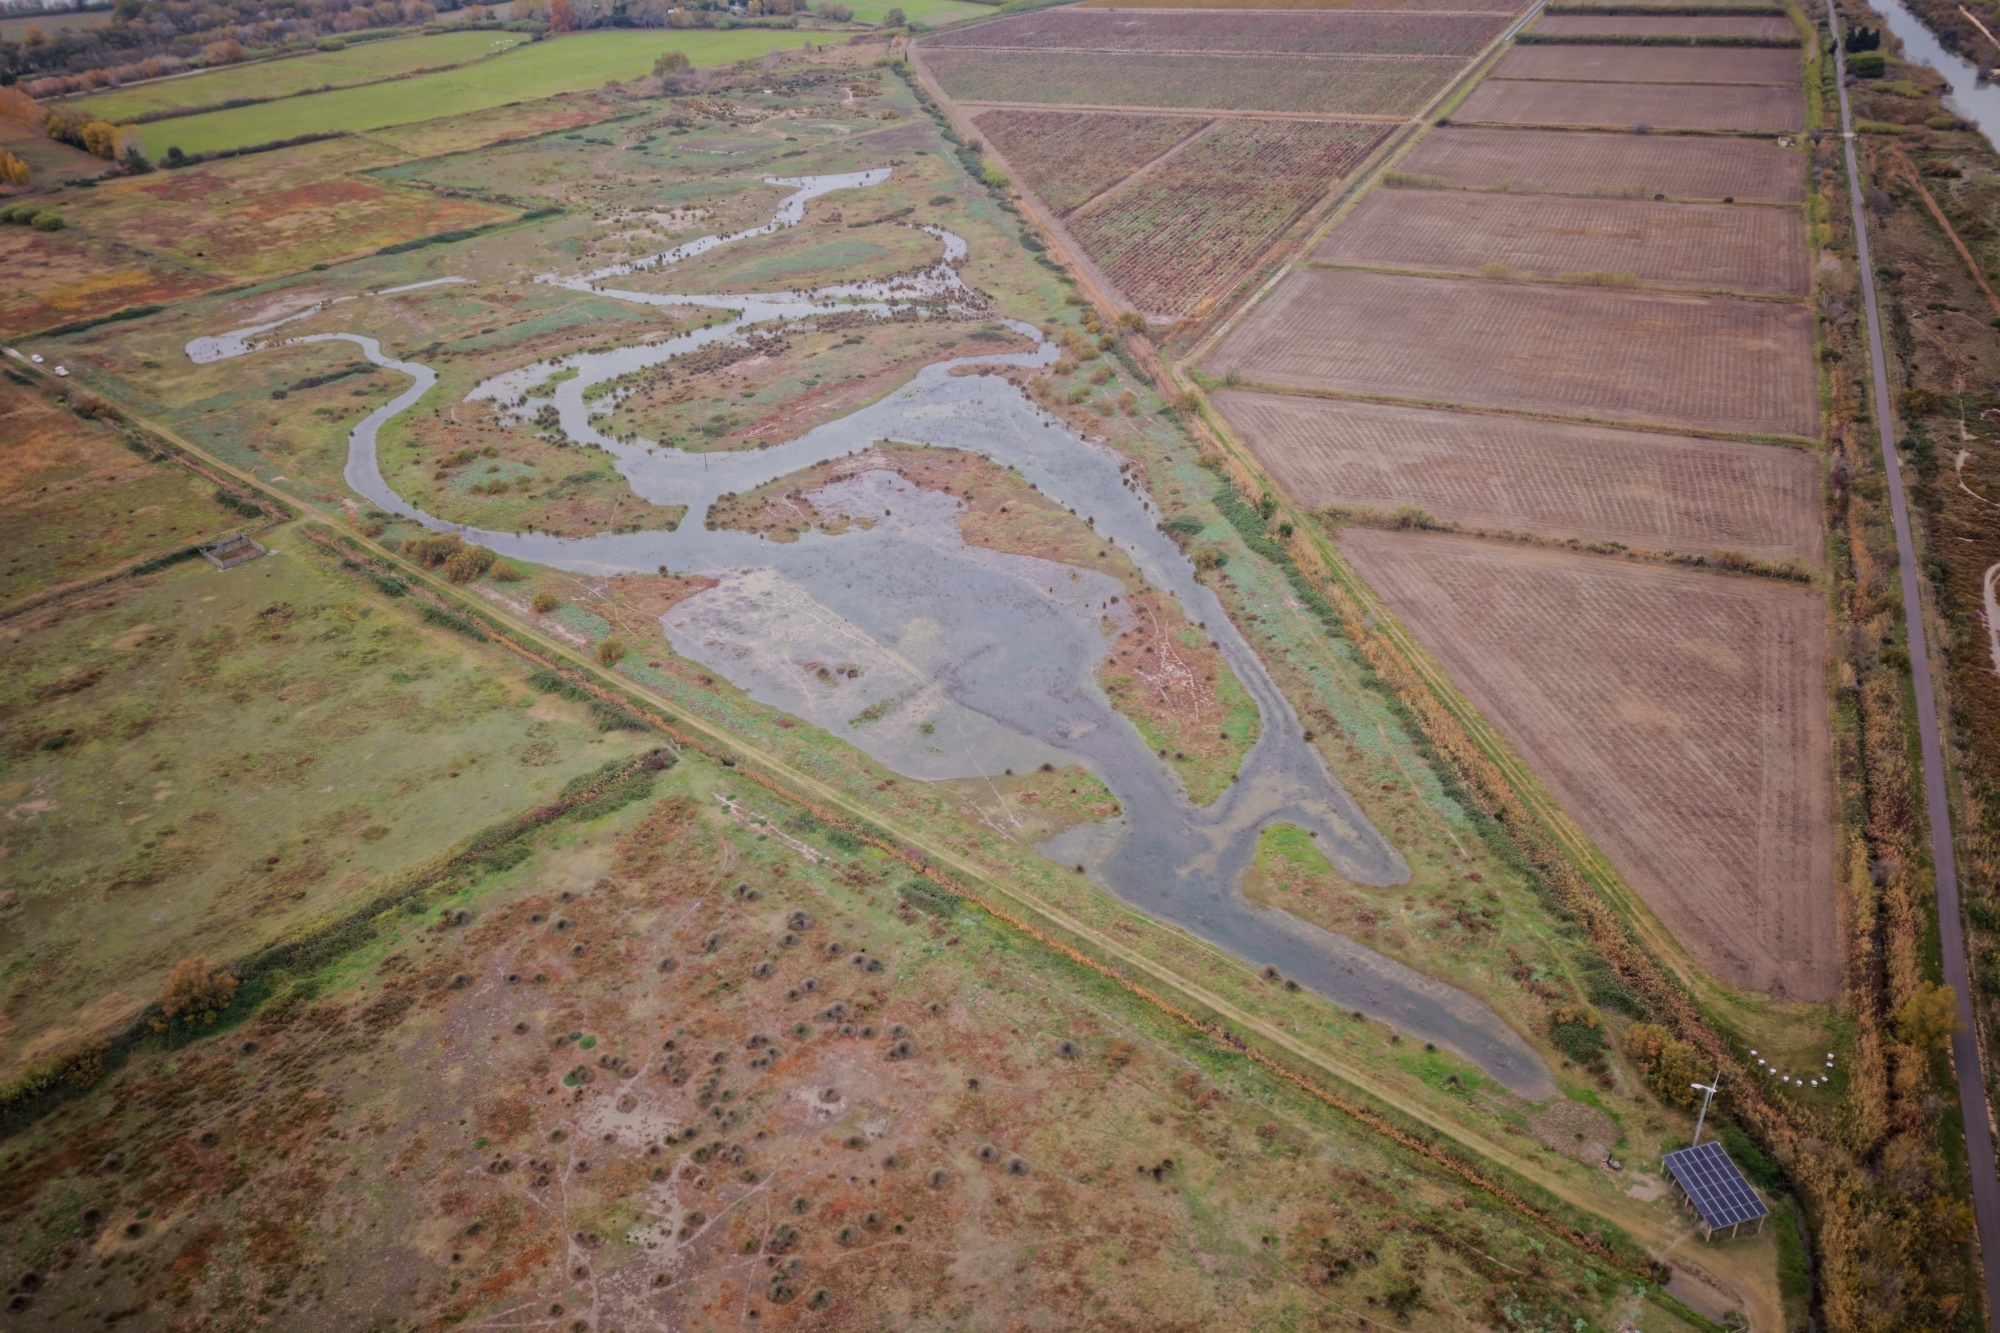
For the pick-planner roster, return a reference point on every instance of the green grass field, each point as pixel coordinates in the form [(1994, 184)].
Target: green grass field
[(543, 69), (937, 13), (281, 78)]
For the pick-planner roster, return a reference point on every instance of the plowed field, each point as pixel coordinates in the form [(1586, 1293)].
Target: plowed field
[(1404, 6), (1068, 157), (1681, 717), (1196, 223), (1758, 250), (1568, 163), (1671, 360), (1777, 66), (1665, 106), (1652, 492), (1327, 85), (1205, 33), (1766, 27)]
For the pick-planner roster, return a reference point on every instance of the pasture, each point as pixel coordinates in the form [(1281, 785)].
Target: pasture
[(1739, 248), (1182, 232), (1662, 106), (1323, 85), (569, 63), (1500, 474), (1681, 717), (1551, 162), (1073, 29), (1775, 66), (77, 501), (361, 63), (1068, 158), (1710, 363)]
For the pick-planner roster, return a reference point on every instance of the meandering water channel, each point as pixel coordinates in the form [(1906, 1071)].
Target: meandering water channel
[(998, 652)]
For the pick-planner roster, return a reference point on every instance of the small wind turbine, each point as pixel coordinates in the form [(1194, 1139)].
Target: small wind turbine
[(1708, 1091)]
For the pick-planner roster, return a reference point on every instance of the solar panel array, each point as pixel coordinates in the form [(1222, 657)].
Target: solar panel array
[(1719, 1192)]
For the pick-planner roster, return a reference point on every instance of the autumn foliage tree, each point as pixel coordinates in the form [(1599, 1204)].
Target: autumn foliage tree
[(13, 171), (196, 993)]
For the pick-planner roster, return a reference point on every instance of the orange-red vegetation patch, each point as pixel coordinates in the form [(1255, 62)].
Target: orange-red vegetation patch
[(59, 278)]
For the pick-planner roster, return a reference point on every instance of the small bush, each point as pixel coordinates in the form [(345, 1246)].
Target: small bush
[(544, 602), (1868, 65), (611, 651), (196, 992), (503, 572), (49, 222)]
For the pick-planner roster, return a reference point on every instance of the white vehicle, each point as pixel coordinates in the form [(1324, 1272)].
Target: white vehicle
[(35, 357), (63, 371)]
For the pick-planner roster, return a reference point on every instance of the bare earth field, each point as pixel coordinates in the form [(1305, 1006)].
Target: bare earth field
[(1205, 33), (1681, 716), (1765, 27), (1776, 66), (1652, 492), (1398, 6), (1324, 85), (1615, 106), (1718, 364), (1068, 158), (1568, 162), (1754, 250)]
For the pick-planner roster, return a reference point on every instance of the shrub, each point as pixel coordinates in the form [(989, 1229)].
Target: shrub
[(671, 62), (13, 171), (503, 572), (544, 602), (610, 651), (196, 992), (1868, 65), (894, 19), (1928, 1017), (49, 222)]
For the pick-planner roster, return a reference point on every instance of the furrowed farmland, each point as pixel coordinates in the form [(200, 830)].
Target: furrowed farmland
[(1665, 707), (1382, 86), (1759, 27), (1777, 67), (1231, 33), (1683, 167), (1549, 479), (1069, 157), (1660, 106), (1724, 365), (1180, 232), (1613, 241)]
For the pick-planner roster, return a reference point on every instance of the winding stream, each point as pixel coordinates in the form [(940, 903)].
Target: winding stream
[(997, 652)]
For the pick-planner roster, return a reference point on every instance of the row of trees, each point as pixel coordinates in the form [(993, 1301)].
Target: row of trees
[(178, 34)]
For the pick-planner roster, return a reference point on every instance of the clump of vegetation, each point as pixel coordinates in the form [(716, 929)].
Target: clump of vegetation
[(197, 993), (461, 561), (1672, 1066), (611, 651), (544, 602)]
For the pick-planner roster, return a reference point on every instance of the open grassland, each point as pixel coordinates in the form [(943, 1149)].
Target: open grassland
[(77, 500), (1068, 158), (1323, 85), (563, 64), (1500, 474), (699, 1060), (1571, 162), (1076, 29), (54, 278), (1681, 716), (1775, 66), (508, 122), (1740, 366), (1759, 27), (1182, 232), (264, 79), (14, 27), (1660, 106), (204, 760), (269, 213), (1753, 250)]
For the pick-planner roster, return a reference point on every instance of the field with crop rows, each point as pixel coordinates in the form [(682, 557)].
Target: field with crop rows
[(1664, 106), (1068, 157), (1705, 362), (1762, 27), (1215, 34), (1679, 715), (1501, 474), (1777, 66), (1735, 247), (1555, 162), (1187, 229), (1327, 85), (1296, 6)]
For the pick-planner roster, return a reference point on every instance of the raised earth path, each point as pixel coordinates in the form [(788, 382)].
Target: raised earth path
[(1937, 798)]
